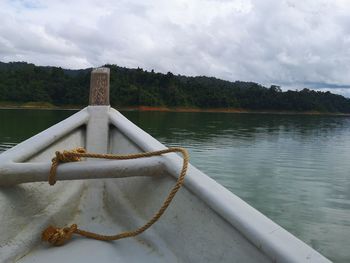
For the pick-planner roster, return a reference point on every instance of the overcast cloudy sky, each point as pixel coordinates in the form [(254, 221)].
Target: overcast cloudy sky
[(295, 44)]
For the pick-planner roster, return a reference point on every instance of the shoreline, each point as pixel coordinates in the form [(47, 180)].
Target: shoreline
[(174, 109), (230, 110)]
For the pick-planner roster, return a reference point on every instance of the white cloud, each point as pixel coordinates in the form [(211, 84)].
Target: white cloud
[(270, 41)]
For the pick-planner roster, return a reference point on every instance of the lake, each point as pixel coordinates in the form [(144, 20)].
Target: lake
[(293, 168)]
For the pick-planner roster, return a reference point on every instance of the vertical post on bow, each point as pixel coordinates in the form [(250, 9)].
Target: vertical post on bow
[(98, 126), (97, 130), (99, 87)]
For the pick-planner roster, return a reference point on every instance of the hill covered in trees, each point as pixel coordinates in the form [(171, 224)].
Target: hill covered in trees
[(21, 82)]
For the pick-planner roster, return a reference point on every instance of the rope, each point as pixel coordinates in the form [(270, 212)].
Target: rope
[(58, 236)]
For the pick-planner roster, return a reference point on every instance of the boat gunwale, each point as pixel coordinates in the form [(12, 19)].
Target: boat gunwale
[(273, 240)]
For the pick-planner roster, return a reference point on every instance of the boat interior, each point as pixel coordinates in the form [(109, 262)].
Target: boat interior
[(189, 231)]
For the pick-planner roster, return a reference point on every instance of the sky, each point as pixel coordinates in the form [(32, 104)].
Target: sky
[(294, 44)]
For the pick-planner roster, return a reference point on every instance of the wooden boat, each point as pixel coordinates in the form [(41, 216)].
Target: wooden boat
[(204, 223)]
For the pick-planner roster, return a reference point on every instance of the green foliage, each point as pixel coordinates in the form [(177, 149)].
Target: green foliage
[(23, 82)]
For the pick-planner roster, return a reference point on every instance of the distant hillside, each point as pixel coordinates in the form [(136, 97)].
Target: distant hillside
[(21, 82)]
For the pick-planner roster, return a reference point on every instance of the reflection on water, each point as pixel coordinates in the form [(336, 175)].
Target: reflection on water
[(18, 125), (292, 168)]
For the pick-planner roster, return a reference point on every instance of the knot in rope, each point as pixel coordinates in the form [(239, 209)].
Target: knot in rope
[(58, 236), (68, 156), (64, 157)]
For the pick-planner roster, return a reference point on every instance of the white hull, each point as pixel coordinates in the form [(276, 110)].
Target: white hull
[(204, 223)]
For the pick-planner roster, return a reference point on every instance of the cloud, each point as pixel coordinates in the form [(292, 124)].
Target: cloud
[(271, 42)]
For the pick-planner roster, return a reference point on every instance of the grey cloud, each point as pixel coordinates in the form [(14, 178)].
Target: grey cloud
[(270, 41)]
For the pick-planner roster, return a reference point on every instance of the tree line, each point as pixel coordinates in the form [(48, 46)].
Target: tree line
[(22, 82)]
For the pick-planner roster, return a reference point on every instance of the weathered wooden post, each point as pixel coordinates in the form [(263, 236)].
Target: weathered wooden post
[(99, 86)]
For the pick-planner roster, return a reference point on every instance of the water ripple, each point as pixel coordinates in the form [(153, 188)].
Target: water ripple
[(6, 145)]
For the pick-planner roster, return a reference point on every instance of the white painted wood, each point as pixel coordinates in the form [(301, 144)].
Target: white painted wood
[(18, 173), (97, 129)]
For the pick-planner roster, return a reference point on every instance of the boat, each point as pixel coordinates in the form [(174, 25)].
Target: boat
[(204, 222)]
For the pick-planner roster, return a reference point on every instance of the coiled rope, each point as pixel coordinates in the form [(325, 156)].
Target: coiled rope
[(58, 236)]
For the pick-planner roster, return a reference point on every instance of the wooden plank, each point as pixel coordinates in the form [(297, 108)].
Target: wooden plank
[(99, 86)]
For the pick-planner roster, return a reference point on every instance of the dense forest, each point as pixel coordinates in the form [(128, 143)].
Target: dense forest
[(21, 82)]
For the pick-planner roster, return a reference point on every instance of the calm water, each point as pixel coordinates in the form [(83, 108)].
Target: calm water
[(294, 169)]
